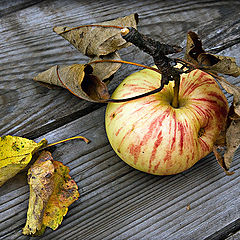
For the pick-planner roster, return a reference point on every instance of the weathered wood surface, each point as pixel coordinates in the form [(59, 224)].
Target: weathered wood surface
[(117, 202)]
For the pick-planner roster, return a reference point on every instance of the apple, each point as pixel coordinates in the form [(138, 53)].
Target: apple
[(154, 137)]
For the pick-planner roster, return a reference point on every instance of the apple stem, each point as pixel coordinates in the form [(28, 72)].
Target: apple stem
[(175, 101)]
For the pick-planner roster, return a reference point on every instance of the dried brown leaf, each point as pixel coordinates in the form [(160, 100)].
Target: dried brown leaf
[(214, 63), (232, 142), (97, 41), (219, 64), (221, 161), (106, 69), (193, 48), (234, 90), (78, 79), (232, 131)]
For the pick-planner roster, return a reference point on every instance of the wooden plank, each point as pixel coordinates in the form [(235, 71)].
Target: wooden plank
[(29, 46), (234, 236), (117, 202)]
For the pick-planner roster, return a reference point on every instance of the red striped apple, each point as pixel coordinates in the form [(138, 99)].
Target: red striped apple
[(151, 135)]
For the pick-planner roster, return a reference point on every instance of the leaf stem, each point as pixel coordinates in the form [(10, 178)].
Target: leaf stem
[(65, 140), (126, 62)]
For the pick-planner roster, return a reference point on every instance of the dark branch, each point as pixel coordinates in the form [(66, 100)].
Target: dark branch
[(158, 51), (149, 45)]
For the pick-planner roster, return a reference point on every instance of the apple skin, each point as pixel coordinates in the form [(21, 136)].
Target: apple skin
[(154, 137)]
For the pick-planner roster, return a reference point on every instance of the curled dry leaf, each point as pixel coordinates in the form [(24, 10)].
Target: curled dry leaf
[(220, 160), (232, 132), (100, 41), (234, 90), (15, 154), (193, 48), (214, 63), (232, 141), (40, 180), (219, 64), (97, 41), (52, 191), (78, 79)]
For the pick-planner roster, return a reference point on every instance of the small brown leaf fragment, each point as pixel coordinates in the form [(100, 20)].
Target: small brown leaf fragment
[(219, 64), (78, 79), (234, 90), (213, 63), (106, 69), (193, 48), (232, 132), (188, 207), (232, 141), (40, 180), (97, 41), (221, 161)]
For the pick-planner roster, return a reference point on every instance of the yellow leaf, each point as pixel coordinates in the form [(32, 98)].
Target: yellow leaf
[(40, 180), (64, 194), (15, 154), (51, 192)]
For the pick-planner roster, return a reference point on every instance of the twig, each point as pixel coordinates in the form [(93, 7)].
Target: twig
[(158, 51)]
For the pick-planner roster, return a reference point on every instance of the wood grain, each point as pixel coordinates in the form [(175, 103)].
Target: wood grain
[(234, 236), (117, 202), (29, 46)]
